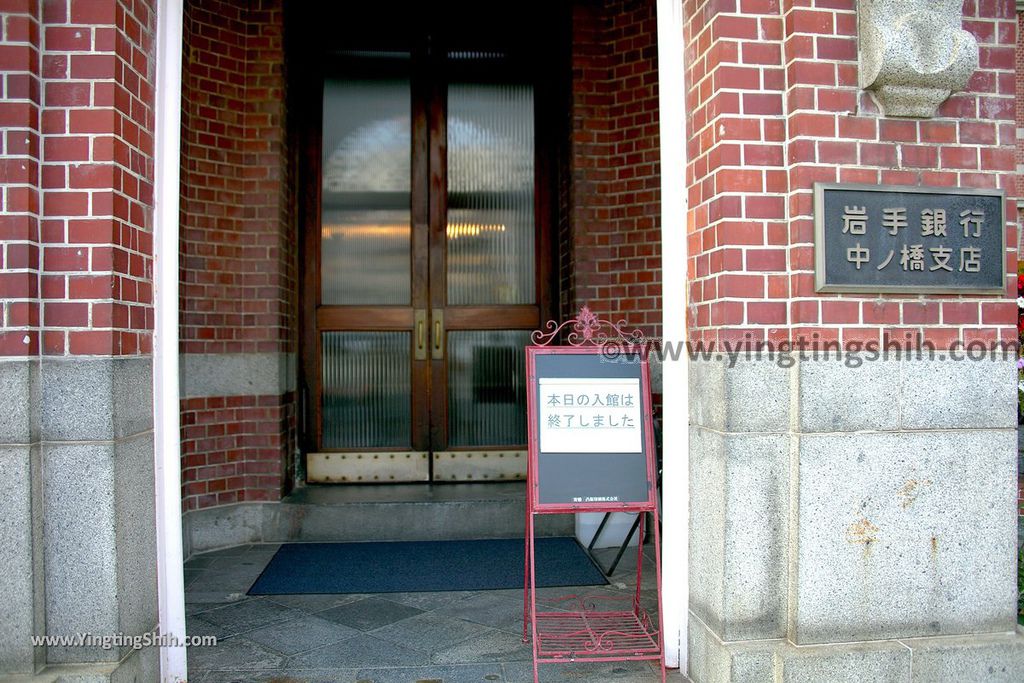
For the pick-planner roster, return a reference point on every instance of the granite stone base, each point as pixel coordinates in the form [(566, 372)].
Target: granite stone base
[(138, 666), (992, 658), (847, 514), (77, 521)]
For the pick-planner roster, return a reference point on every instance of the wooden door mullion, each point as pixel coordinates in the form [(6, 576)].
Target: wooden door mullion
[(497, 317), (312, 86), (438, 218), (420, 184)]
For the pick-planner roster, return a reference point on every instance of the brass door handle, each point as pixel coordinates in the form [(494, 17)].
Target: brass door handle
[(421, 334), (437, 353)]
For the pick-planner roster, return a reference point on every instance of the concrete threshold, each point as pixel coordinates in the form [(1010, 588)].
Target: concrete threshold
[(372, 512)]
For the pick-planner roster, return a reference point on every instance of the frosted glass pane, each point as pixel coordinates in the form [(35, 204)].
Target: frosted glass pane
[(366, 390), (490, 194), (365, 214), (487, 388)]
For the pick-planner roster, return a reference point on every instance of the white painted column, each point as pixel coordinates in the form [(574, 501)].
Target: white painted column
[(167, 436), (675, 373)]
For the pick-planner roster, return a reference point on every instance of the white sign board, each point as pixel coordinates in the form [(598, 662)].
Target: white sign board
[(590, 415)]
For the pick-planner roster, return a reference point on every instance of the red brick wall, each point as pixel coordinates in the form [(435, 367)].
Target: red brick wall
[(78, 143), (775, 106), (238, 273), (231, 448), (20, 105), (613, 235), (238, 249), (1019, 65)]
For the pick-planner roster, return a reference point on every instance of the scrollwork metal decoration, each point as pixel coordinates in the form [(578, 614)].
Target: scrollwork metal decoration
[(588, 330)]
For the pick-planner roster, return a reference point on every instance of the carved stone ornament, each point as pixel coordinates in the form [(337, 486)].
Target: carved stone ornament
[(914, 54)]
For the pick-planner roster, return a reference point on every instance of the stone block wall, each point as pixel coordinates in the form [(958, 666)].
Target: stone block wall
[(861, 509)]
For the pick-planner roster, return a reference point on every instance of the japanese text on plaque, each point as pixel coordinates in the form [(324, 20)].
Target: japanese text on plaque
[(930, 226)]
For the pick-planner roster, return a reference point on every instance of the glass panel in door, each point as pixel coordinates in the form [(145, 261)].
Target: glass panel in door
[(428, 284), (490, 276), (365, 201), (366, 390), (486, 388), (367, 327), (491, 224)]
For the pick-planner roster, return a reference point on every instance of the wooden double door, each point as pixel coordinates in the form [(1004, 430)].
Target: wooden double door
[(425, 263)]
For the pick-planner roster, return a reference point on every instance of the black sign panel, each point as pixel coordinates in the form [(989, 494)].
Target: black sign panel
[(909, 239), (590, 439)]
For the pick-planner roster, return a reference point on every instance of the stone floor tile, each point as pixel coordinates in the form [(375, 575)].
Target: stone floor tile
[(509, 593), (199, 562), (299, 635), (470, 635), (237, 580), (249, 615), (192, 608), (622, 672), (190, 575), (359, 651), (314, 602), (225, 552), (493, 646), (464, 673), (496, 611), (266, 548), (428, 601), (430, 632), (219, 597), (585, 672), (195, 625), (232, 654), (256, 562), (283, 676), (369, 613)]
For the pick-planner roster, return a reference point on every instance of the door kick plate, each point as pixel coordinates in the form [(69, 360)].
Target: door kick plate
[(508, 465), (373, 467)]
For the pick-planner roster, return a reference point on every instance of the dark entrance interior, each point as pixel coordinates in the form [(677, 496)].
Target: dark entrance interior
[(426, 190), (541, 115)]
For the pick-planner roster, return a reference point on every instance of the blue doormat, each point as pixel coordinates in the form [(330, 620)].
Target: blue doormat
[(420, 566)]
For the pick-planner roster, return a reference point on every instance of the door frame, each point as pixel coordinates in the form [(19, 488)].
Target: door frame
[(551, 98)]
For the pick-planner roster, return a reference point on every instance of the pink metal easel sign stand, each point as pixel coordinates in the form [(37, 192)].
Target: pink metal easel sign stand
[(591, 449)]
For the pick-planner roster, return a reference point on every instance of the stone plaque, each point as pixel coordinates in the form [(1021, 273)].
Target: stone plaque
[(909, 239)]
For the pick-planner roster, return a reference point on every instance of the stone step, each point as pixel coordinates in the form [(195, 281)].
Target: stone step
[(406, 512)]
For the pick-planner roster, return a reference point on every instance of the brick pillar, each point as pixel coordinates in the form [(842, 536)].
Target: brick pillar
[(1019, 65), (21, 570), (858, 509), (77, 331)]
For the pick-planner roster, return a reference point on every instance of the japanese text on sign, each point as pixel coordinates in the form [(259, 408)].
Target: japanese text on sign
[(877, 239), (590, 415), (932, 225)]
